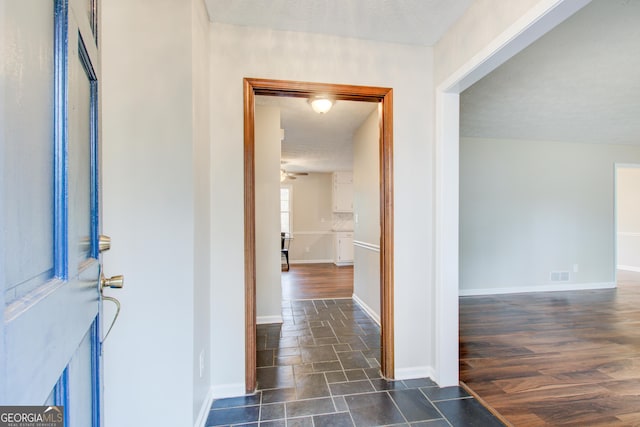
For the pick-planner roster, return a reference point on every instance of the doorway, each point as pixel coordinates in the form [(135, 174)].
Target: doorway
[(505, 45), (329, 201), (627, 221), (384, 98)]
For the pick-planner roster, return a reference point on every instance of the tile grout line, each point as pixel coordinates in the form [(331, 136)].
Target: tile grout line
[(349, 411), (453, 398), (436, 408), (397, 407), (286, 423), (336, 317)]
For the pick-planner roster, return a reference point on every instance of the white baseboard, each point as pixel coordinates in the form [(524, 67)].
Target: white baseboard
[(310, 261), (228, 390), (264, 320), (204, 409), (414, 372), (342, 264), (542, 288), (629, 268), (628, 234), (367, 309)]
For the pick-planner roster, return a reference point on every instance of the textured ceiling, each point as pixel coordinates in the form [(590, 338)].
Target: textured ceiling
[(578, 83), (401, 21), (318, 142), (323, 143)]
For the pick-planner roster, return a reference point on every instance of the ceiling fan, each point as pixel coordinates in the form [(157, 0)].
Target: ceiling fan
[(291, 175)]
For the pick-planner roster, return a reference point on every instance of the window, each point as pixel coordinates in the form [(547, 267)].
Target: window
[(285, 209)]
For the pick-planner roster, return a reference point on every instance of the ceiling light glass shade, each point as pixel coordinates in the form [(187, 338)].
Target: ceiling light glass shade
[(283, 176), (321, 105)]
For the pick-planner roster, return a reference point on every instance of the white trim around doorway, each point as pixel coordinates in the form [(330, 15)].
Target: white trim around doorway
[(543, 17)]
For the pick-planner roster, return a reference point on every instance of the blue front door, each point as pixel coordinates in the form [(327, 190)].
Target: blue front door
[(49, 259)]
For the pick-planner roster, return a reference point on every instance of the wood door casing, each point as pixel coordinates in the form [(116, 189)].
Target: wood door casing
[(384, 98)]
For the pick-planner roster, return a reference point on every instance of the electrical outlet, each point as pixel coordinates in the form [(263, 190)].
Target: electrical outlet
[(575, 268)]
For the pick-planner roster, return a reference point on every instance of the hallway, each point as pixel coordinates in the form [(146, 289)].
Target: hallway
[(317, 281), (321, 368)]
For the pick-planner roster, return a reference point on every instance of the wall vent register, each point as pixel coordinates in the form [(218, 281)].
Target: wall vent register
[(559, 276)]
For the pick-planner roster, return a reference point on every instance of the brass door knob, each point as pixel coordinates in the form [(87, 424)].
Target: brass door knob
[(112, 282), (104, 243)]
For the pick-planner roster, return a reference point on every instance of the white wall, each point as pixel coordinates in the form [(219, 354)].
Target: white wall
[(311, 219), (366, 207), (238, 52), (202, 208), (267, 199), (628, 219), (155, 166), (528, 208), (482, 23)]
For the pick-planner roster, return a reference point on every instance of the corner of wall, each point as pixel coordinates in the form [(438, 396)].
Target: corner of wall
[(416, 372), (203, 413), (227, 390), (268, 320)]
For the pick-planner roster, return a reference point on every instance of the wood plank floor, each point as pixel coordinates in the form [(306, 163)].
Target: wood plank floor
[(317, 281), (556, 358)]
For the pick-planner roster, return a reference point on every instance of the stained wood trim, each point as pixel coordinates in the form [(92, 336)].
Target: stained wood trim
[(384, 96), (305, 89), (249, 238), (386, 235)]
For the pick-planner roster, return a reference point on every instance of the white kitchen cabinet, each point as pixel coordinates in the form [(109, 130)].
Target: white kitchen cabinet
[(343, 192), (344, 248)]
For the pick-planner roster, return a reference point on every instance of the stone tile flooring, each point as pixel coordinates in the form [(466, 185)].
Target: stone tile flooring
[(321, 368)]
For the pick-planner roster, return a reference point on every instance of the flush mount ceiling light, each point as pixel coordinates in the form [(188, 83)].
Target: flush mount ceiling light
[(320, 104)]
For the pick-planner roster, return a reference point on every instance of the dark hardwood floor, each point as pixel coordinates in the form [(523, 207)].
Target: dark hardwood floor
[(317, 281), (556, 358)]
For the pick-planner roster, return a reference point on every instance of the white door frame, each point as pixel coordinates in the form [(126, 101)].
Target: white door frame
[(616, 171), (538, 21)]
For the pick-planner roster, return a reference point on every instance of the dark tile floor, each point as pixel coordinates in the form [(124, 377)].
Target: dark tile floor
[(321, 368)]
